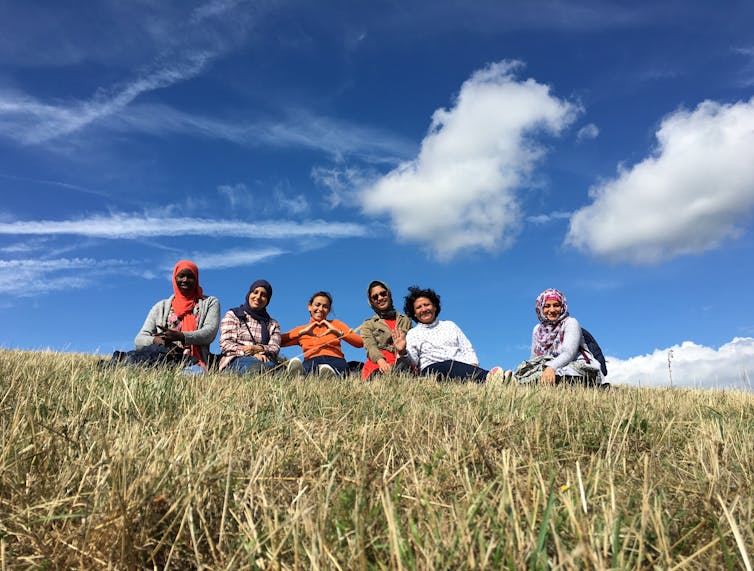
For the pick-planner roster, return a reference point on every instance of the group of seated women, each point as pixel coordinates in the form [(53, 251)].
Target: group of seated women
[(181, 328)]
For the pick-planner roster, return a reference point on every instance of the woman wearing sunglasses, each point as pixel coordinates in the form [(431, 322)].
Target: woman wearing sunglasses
[(381, 331)]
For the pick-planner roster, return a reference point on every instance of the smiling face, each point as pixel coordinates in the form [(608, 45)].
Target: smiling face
[(380, 297), (552, 309), (186, 281), (319, 307), (424, 310), (258, 298)]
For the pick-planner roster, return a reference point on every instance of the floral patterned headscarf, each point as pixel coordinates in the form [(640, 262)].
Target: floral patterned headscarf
[(549, 334)]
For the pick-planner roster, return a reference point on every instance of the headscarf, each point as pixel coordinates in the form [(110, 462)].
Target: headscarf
[(549, 334), (183, 305), (259, 315), (389, 312)]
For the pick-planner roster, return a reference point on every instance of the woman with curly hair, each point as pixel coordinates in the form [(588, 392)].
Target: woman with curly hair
[(440, 347)]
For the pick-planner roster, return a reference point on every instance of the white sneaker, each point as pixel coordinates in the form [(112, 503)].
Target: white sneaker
[(327, 371), (294, 367)]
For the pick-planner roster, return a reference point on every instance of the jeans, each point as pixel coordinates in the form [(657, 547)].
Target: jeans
[(312, 365), (249, 364), (455, 370)]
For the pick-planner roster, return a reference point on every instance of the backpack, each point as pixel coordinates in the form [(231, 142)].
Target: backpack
[(594, 349)]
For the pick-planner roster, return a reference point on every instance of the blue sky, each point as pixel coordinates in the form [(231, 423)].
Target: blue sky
[(487, 150)]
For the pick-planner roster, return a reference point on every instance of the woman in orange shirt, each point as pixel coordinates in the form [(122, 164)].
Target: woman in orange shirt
[(320, 339)]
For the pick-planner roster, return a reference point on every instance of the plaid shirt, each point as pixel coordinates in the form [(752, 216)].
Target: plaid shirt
[(235, 334)]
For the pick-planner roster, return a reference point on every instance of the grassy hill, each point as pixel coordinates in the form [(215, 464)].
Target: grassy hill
[(135, 469)]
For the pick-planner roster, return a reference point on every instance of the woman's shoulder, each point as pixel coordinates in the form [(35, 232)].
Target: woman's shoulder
[(571, 322), (163, 303)]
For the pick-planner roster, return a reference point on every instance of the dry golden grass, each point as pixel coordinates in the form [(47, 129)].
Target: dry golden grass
[(132, 469)]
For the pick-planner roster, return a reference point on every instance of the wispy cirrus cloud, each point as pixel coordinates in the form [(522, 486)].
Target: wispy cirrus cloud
[(31, 121), (295, 129), (235, 258), (158, 44), (27, 277), (128, 226), (239, 196)]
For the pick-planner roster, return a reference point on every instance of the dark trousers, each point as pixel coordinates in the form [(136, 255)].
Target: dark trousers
[(456, 371), (312, 365)]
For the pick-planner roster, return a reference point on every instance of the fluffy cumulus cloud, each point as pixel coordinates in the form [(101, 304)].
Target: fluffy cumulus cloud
[(459, 192), (693, 192), (690, 365)]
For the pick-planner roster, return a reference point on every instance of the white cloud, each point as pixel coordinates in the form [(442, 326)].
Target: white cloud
[(343, 183), (24, 118), (459, 193), (590, 131), (691, 365), (547, 218), (293, 205), (30, 277), (55, 183), (239, 196), (747, 71), (124, 226), (695, 190), (213, 9), (234, 258), (297, 129)]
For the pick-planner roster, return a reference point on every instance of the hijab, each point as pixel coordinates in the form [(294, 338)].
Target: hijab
[(389, 312), (548, 335), (184, 304), (259, 315)]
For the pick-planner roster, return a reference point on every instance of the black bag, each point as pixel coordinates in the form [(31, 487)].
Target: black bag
[(594, 349), (153, 356)]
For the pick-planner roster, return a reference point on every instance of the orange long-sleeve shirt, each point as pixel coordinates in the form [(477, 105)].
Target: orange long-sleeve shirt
[(321, 344)]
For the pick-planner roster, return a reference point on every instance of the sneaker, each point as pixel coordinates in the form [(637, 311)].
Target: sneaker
[(294, 367), (495, 375), (327, 371)]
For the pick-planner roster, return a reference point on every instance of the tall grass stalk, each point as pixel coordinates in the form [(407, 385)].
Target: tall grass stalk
[(133, 469)]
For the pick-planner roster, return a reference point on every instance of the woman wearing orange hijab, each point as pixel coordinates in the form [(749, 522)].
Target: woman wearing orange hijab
[(187, 321)]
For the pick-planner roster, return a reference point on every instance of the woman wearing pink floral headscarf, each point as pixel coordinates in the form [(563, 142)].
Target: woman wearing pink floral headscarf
[(558, 350)]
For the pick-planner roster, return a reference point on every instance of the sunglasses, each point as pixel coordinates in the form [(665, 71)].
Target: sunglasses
[(378, 295)]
